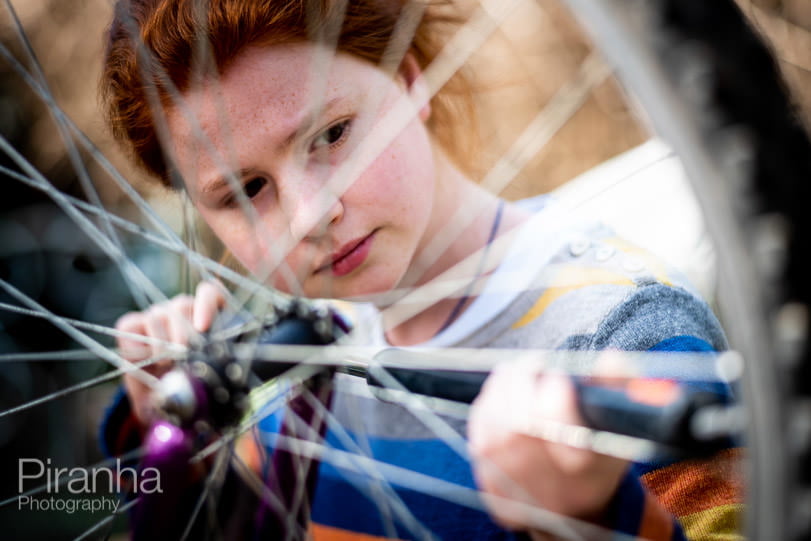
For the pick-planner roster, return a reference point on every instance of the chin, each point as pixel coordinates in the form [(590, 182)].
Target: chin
[(360, 288)]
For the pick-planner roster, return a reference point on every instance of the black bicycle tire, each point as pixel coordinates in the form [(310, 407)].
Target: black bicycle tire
[(659, 49)]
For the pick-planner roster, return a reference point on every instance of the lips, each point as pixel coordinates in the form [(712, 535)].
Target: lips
[(350, 256)]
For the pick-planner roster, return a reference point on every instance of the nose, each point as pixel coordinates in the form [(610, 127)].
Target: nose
[(313, 210)]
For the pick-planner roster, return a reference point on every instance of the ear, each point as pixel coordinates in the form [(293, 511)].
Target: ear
[(411, 74)]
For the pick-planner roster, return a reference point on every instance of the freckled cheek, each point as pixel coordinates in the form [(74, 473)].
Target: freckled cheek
[(239, 241), (405, 181), (384, 178), (402, 175), (257, 252)]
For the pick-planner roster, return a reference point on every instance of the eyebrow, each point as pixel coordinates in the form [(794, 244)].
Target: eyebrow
[(308, 120), (224, 182), (304, 125)]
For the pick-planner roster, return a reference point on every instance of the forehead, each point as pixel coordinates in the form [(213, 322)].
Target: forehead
[(257, 80), (267, 99), (281, 83)]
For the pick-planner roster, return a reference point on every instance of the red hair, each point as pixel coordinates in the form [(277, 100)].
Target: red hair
[(152, 42)]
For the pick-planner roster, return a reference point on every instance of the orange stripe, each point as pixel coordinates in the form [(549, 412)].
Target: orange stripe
[(697, 485), (319, 532), (251, 452)]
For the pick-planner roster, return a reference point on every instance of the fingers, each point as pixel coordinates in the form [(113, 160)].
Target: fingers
[(163, 324), (509, 462), (502, 455), (209, 299), (140, 398), (169, 323), (177, 316), (132, 349), (173, 321)]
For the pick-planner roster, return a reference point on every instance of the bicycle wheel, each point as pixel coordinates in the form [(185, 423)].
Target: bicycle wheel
[(754, 206), (666, 37)]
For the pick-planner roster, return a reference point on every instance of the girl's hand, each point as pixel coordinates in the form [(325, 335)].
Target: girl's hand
[(509, 464), (171, 321)]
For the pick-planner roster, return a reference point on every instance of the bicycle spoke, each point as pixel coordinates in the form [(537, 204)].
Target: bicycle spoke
[(70, 146), (171, 347), (181, 105), (527, 145), (107, 520), (579, 437), (48, 356), (95, 153), (73, 389), (565, 527), (723, 367), (381, 492), (463, 44), (167, 243), (36, 181), (130, 271), (208, 266), (576, 201), (266, 495), (438, 426), (215, 477), (170, 237), (269, 409), (354, 456), (403, 511), (104, 353)]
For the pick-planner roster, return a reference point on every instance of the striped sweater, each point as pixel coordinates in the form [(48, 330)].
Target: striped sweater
[(584, 290), (389, 471)]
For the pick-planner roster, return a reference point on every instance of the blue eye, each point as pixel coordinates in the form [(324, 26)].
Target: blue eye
[(332, 136)]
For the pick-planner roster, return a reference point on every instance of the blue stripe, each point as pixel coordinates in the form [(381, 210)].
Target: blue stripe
[(678, 533), (687, 343), (683, 343), (624, 512), (347, 499), (351, 500)]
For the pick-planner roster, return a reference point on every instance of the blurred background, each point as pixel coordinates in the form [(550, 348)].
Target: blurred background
[(46, 256)]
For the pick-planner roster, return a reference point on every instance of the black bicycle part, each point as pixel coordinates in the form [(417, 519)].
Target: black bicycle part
[(212, 399), (227, 383), (603, 408)]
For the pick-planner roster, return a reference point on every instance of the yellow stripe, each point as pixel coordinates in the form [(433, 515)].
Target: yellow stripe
[(721, 523), (575, 278), (653, 263)]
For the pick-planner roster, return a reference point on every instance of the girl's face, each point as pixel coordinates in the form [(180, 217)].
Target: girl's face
[(279, 130)]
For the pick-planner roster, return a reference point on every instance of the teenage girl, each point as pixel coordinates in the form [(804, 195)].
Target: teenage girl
[(309, 140)]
